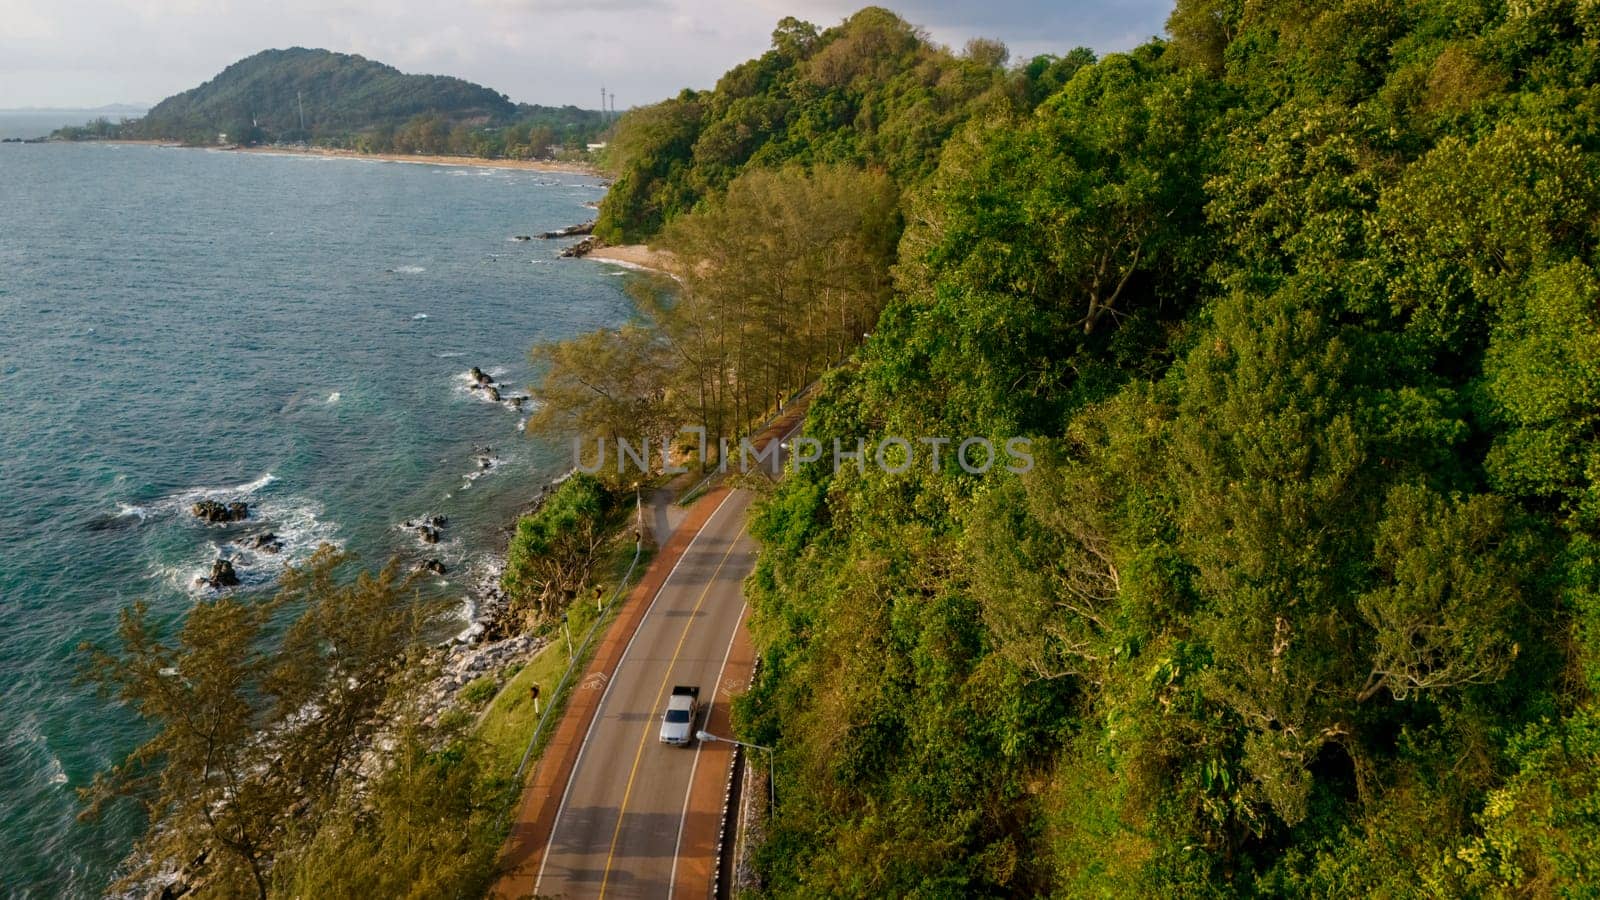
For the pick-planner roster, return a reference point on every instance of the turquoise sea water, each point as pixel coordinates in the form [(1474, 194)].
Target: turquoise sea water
[(291, 332)]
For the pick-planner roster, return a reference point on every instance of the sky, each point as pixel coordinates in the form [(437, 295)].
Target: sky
[(89, 53)]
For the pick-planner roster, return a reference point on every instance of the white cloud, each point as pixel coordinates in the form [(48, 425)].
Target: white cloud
[(91, 52)]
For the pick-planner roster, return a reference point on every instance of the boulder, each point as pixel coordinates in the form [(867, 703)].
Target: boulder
[(582, 248), (569, 231), (480, 377), (432, 565), (266, 542), (222, 575), (428, 534), (214, 512), (492, 392)]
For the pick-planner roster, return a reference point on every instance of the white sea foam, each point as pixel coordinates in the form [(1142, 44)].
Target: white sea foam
[(334, 397), (130, 510), (295, 522), (408, 270), (419, 317), (450, 354), (486, 466), (182, 500)]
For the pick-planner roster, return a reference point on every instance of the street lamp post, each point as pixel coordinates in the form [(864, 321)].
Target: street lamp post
[(772, 763)]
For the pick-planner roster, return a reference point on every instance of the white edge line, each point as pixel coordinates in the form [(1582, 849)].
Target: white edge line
[(599, 709), (677, 848)]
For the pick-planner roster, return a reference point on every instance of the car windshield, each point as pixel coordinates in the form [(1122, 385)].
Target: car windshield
[(677, 716)]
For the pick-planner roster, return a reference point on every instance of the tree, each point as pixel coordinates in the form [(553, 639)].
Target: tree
[(763, 310), (254, 730), (604, 388), (554, 551), (1442, 614)]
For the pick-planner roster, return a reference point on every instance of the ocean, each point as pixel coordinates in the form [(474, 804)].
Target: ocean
[(291, 332)]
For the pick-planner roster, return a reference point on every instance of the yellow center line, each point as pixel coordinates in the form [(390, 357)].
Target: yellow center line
[(644, 738)]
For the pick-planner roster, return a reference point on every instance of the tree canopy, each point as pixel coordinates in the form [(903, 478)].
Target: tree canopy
[(1299, 307)]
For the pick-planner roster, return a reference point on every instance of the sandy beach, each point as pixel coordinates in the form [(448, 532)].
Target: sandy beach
[(635, 256), (534, 165)]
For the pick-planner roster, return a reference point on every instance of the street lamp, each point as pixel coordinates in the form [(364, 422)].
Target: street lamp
[(772, 764)]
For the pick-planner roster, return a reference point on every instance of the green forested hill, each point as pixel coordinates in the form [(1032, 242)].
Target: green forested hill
[(871, 91), (341, 94), (344, 100), (1300, 308)]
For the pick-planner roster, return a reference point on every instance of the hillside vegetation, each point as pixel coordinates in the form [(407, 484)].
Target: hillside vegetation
[(869, 92), (1300, 309), (338, 99)]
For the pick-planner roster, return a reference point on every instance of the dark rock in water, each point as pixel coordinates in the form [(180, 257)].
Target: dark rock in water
[(222, 575), (583, 247), (492, 392), (518, 400), (428, 533), (438, 521), (485, 462), (569, 231), (266, 542), (432, 565), (215, 513), (524, 237), (480, 377)]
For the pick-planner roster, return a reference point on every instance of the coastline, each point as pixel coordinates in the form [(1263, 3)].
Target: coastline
[(530, 165), (476, 642), (635, 256)]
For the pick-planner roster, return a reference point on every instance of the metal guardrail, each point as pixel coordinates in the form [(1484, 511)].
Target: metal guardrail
[(722, 830), (558, 695), (727, 799)]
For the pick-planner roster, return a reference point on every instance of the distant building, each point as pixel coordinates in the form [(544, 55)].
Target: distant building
[(599, 146), (222, 137)]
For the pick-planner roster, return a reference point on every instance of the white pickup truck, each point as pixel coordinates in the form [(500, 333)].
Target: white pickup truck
[(677, 723)]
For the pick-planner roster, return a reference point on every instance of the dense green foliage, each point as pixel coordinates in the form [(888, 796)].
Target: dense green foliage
[(1301, 311), (870, 92), (753, 316), (554, 550), (337, 99), (259, 723)]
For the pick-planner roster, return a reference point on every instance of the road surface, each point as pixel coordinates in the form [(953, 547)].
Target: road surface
[(610, 811), (618, 828)]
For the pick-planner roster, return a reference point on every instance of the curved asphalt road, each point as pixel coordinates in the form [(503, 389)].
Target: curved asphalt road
[(624, 809)]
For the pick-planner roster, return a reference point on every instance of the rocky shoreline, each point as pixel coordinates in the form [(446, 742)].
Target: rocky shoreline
[(490, 643)]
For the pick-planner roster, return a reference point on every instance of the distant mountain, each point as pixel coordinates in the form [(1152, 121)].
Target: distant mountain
[(110, 109), (301, 94)]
